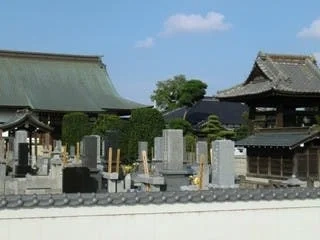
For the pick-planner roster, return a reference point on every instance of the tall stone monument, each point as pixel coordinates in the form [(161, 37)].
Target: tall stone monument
[(223, 172)]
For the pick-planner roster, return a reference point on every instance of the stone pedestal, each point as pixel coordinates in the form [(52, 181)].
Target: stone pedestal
[(175, 179), (150, 183)]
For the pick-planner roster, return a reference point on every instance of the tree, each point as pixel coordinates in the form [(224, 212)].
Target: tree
[(180, 124), (106, 122), (191, 92), (178, 92), (190, 142), (166, 96), (145, 124), (245, 129), (74, 127), (213, 129)]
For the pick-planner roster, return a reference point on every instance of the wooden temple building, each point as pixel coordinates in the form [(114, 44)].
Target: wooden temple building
[(282, 93), (37, 89)]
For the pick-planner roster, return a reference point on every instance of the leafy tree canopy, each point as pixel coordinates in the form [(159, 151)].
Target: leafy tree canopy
[(177, 92), (191, 92), (106, 122), (180, 124)]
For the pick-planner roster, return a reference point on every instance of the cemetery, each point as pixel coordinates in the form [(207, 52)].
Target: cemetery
[(53, 159)]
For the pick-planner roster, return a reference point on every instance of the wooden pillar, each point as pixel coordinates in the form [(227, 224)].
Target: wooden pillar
[(279, 117)]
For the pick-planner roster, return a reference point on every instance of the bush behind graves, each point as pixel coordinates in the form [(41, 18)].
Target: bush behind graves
[(74, 127), (145, 124)]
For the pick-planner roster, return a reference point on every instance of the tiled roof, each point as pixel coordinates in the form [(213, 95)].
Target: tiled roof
[(297, 74), (25, 117), (277, 139), (58, 82), (228, 112), (142, 198)]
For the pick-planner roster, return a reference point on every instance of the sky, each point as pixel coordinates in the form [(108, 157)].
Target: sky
[(145, 41)]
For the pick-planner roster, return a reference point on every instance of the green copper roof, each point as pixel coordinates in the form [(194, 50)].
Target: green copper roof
[(56, 82), (287, 74)]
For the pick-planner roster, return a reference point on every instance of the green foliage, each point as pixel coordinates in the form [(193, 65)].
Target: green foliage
[(213, 130), (106, 122), (178, 92), (245, 129), (191, 92), (167, 93), (74, 127), (145, 124), (180, 124), (190, 142)]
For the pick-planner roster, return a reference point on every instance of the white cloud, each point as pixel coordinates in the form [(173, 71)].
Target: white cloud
[(213, 21), (146, 43), (313, 31)]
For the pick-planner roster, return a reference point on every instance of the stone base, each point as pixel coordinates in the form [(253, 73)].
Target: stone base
[(111, 176)]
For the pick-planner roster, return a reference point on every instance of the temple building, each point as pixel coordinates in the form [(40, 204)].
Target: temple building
[(282, 93), (51, 85)]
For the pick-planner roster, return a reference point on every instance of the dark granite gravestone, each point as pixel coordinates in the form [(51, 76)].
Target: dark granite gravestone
[(111, 139), (78, 179), (90, 152), (23, 158)]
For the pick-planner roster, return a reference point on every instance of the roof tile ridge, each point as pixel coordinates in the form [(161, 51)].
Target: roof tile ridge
[(265, 69), (229, 89), (279, 75), (314, 67)]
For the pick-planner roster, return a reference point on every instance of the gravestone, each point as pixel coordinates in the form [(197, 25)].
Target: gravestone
[(202, 150), (20, 137), (223, 172), (43, 165), (111, 139), (2, 177), (58, 145), (2, 150), (72, 151), (103, 148), (90, 152), (98, 146), (23, 160), (127, 182), (158, 149), (173, 149)]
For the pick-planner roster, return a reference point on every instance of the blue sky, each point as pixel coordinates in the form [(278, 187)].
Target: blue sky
[(145, 41)]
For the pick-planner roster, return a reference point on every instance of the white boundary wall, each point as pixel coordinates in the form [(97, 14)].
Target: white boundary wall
[(289, 219)]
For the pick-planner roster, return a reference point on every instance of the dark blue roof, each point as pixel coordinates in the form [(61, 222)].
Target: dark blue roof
[(228, 112)]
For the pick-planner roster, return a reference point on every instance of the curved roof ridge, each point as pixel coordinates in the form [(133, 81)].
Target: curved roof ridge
[(288, 57), (51, 56)]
